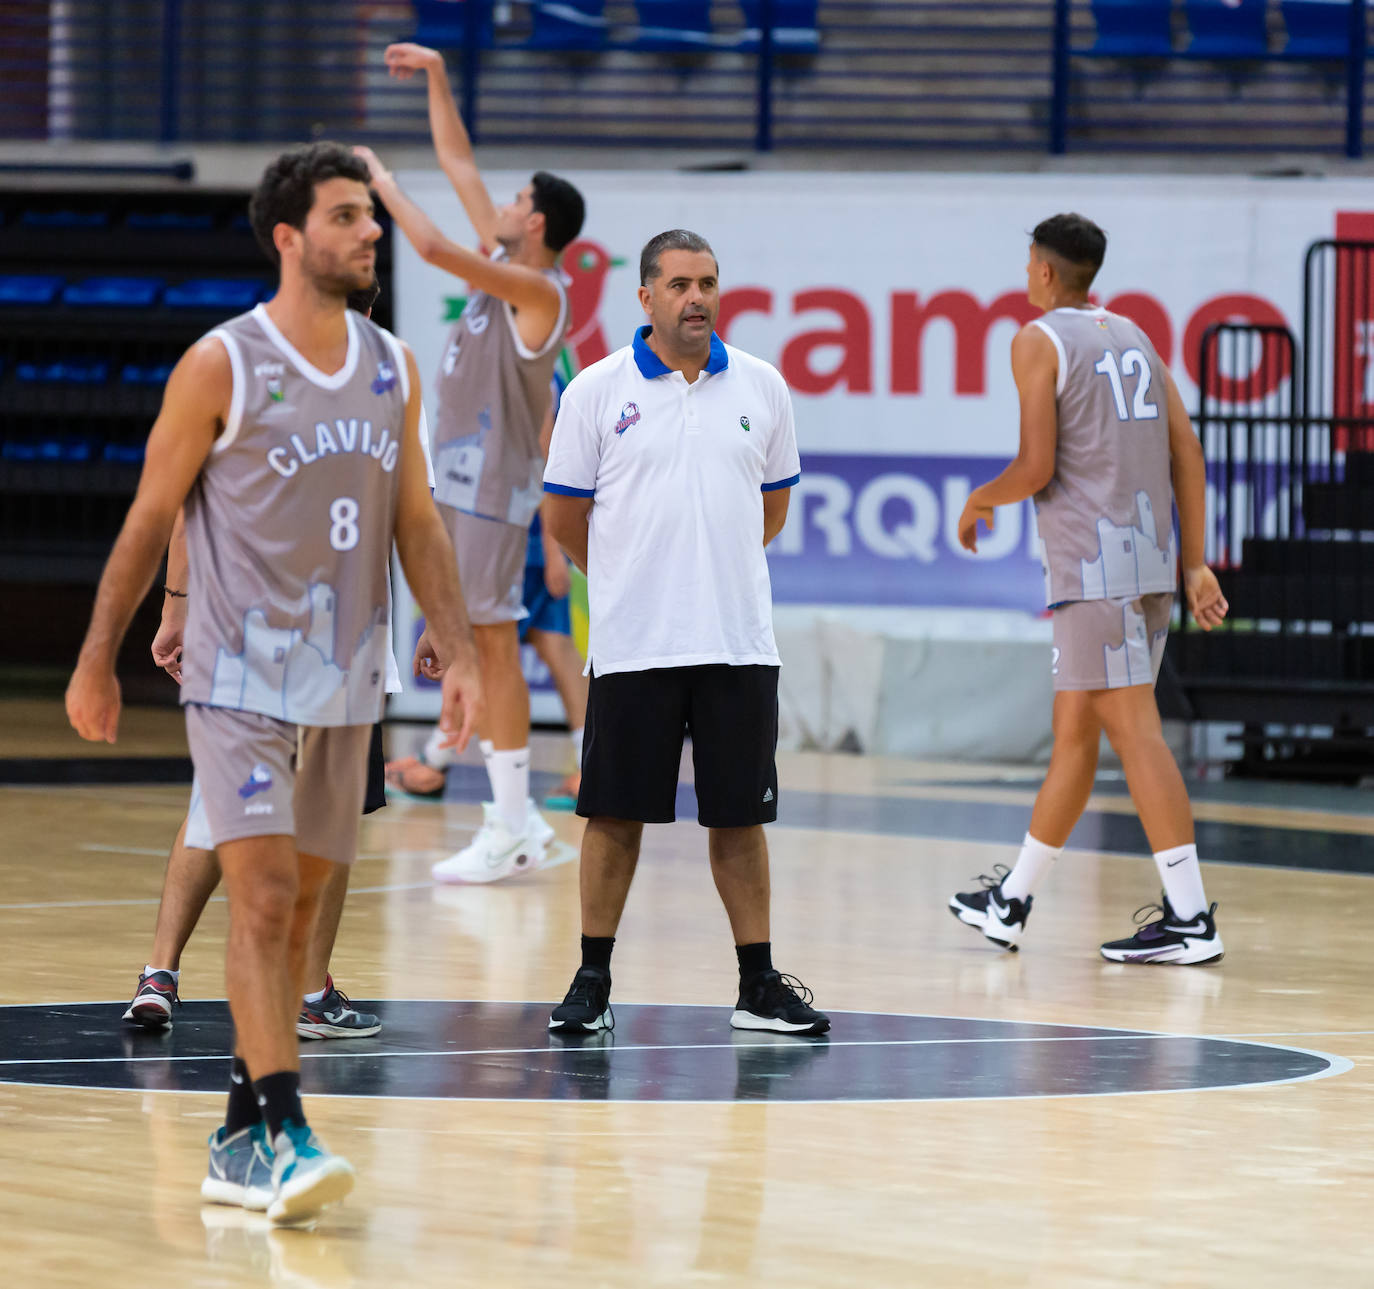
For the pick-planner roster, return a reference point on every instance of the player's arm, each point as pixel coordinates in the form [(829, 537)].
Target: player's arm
[(452, 146), (527, 290), (167, 643), (566, 519), (194, 404), (1035, 368), (1189, 470), (432, 572), (775, 503)]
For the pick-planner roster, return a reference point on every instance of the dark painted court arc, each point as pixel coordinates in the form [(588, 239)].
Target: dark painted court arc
[(466, 1050)]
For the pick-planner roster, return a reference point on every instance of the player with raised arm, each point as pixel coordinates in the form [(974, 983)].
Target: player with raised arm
[(1107, 449), (290, 435)]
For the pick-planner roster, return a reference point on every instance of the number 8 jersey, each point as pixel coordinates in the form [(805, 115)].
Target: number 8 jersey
[(1106, 517), (289, 530)]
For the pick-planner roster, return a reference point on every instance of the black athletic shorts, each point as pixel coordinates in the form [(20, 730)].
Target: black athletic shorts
[(375, 796), (632, 751)]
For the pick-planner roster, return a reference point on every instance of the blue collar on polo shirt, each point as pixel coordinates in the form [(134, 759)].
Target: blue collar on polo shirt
[(651, 365)]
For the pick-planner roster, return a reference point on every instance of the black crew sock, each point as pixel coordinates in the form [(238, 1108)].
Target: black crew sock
[(279, 1096), (754, 959), (596, 951), (243, 1110)]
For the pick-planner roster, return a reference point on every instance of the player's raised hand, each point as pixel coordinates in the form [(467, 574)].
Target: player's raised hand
[(93, 702), (1205, 599), (405, 59), (968, 524), (375, 170), (462, 702)]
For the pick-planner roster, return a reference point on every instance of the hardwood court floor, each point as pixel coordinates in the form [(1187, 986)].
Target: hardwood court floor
[(1252, 1186)]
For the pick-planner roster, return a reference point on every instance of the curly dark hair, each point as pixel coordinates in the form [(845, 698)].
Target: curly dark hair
[(286, 190)]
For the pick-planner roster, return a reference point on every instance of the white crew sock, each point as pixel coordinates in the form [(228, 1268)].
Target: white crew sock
[(576, 736), (148, 970), (509, 773), (439, 758), (1035, 860), (318, 996), (1182, 878)]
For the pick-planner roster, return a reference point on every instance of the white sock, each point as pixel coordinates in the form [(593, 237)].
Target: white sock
[(1182, 878), (509, 773), (438, 758), (576, 736), (175, 975), (1034, 861), (317, 997)]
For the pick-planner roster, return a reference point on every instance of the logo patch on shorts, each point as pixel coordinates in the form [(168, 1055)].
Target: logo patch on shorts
[(260, 780)]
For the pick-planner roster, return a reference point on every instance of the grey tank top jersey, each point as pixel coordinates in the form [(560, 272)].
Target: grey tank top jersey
[(289, 528), (1106, 518), (493, 396)]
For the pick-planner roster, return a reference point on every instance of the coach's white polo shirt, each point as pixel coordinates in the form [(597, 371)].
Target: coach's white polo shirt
[(676, 575)]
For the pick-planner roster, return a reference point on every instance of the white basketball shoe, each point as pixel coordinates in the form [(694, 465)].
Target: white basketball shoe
[(494, 853)]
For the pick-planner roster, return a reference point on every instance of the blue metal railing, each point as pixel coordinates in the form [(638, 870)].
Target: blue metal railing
[(1011, 75)]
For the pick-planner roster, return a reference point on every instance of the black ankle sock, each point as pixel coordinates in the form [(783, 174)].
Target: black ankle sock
[(596, 951), (279, 1096), (243, 1110), (754, 959)]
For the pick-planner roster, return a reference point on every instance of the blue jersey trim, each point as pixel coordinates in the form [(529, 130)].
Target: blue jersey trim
[(651, 365), (781, 483), (563, 490)]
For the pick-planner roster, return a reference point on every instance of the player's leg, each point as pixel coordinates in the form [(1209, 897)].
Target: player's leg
[(733, 720), (560, 656), (635, 724), (190, 879)]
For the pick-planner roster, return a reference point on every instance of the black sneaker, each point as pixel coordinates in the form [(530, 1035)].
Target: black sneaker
[(334, 1016), (1002, 920), (587, 1006), (152, 1004), (778, 1003), (1169, 938)]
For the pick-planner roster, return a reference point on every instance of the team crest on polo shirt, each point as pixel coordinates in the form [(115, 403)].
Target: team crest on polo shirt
[(629, 415)]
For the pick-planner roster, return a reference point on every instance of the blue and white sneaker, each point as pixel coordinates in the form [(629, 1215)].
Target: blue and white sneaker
[(240, 1169), (306, 1178)]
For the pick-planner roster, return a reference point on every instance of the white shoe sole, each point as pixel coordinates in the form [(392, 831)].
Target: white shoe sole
[(525, 861), (150, 1015), (254, 1200), (335, 1031), (604, 1021), (773, 1025), (304, 1199), (1192, 953), (1007, 937)]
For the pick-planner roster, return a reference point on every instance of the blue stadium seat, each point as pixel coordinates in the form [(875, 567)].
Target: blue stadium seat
[(671, 26), (65, 219), (1132, 29), (76, 371), (442, 24), (794, 26), (123, 453), (1316, 28), (1227, 28), (162, 220), (215, 293), (568, 24), (145, 373), (114, 292), (29, 288)]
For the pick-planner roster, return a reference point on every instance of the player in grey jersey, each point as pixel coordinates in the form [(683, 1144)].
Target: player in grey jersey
[(1106, 449), (291, 435), (493, 396)]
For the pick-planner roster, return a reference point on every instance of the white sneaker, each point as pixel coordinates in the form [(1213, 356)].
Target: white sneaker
[(305, 1176), (494, 853), (537, 828)]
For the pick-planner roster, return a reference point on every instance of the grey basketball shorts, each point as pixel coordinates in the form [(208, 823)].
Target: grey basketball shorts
[(491, 565), (258, 777), (1110, 644)]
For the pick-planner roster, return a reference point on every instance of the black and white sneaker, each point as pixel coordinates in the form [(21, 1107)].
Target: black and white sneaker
[(779, 1003), (151, 1007), (587, 1006), (334, 1016), (1001, 919), (1169, 938)]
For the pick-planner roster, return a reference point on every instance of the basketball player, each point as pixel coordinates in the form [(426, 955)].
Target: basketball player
[(1106, 450), (290, 434), (493, 396), (193, 871)]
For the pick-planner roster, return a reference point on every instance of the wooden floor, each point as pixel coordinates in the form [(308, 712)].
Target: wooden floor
[(1254, 1186)]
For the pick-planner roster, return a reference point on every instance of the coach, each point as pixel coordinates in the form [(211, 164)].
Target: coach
[(670, 469)]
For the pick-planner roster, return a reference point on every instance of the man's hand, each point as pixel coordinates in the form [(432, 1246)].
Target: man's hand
[(167, 645), (462, 703), (405, 59), (93, 702), (377, 173), (1204, 596), (427, 661), (968, 524), (557, 578)]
